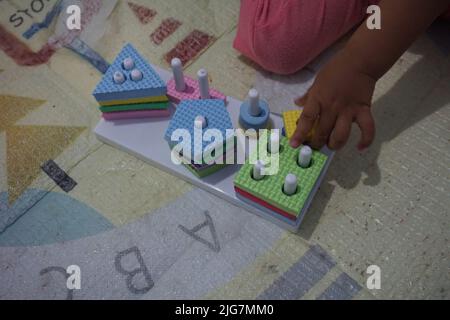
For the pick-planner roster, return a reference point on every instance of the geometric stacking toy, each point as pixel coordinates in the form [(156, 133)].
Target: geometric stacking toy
[(283, 198), (254, 113), (290, 119), (131, 88), (201, 155), (285, 192), (182, 87)]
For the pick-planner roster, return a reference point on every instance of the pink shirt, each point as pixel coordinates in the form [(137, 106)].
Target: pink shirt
[(284, 36)]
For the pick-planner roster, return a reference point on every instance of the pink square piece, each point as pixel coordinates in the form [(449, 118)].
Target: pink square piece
[(136, 114), (192, 91)]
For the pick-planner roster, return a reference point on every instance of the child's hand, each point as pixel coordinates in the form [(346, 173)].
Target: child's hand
[(339, 96)]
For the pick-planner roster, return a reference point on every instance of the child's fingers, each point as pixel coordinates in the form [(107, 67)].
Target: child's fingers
[(301, 101), (341, 131), (306, 122), (326, 124), (366, 124)]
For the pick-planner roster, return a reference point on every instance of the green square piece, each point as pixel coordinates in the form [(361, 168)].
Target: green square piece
[(135, 107), (205, 172), (270, 188)]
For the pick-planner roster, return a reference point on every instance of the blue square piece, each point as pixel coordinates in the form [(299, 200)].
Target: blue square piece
[(150, 85), (217, 117)]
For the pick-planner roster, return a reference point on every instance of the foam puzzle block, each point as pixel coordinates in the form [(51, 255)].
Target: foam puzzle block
[(205, 172), (150, 99), (192, 91), (287, 220), (255, 134), (217, 117), (270, 189), (136, 114), (247, 121), (150, 85), (254, 112), (290, 119), (135, 107), (263, 203), (228, 151)]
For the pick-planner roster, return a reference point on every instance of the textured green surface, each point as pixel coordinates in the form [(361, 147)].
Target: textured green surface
[(136, 106), (269, 189)]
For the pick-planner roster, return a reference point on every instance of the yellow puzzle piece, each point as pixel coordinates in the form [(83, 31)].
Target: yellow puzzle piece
[(290, 119), (134, 101)]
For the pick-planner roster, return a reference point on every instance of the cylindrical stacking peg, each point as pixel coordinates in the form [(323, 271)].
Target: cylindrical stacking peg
[(304, 157), (274, 143), (253, 97), (254, 112), (258, 168), (136, 75), (128, 64), (178, 76), (290, 184), (200, 122), (203, 84), (118, 77)]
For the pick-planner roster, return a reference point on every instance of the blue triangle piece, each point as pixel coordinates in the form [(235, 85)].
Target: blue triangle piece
[(150, 85)]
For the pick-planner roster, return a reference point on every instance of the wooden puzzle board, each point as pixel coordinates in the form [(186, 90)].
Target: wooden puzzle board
[(144, 138)]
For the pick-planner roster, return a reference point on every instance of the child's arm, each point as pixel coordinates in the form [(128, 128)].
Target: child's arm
[(343, 89)]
